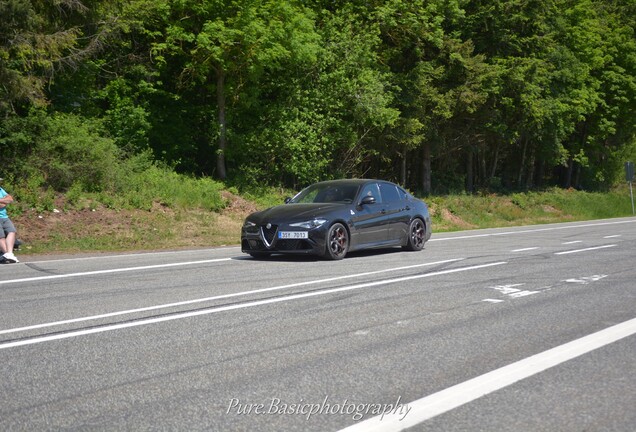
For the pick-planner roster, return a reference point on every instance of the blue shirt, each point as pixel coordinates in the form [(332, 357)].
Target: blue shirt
[(3, 211)]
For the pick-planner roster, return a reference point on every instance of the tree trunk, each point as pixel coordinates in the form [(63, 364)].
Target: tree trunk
[(523, 163), (568, 176), (426, 169), (470, 182), (577, 176), (531, 168), (403, 168), (220, 99), (493, 170), (540, 174), (483, 177)]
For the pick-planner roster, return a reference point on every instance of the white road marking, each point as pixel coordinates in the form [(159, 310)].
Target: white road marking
[(134, 254), (492, 300), (612, 236), (586, 280), (218, 297), (524, 249), (585, 250), (572, 242), (507, 289), (443, 401), (141, 322), (117, 270), (523, 293), (513, 292)]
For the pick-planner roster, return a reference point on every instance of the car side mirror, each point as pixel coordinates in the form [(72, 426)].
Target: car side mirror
[(287, 200), (367, 200)]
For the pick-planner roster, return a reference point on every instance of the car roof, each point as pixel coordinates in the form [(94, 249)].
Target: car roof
[(356, 182)]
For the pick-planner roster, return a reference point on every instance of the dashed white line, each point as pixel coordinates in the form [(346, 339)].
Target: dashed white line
[(524, 249), (612, 236), (492, 300), (572, 242), (584, 250), (438, 403)]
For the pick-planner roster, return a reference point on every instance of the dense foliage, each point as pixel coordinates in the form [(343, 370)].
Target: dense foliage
[(439, 95)]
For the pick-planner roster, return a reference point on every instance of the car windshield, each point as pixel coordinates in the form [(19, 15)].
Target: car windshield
[(326, 193)]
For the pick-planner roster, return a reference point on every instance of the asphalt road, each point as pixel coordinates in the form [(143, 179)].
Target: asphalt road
[(516, 329)]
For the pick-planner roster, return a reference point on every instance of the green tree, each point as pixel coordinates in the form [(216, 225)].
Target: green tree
[(39, 39), (227, 45)]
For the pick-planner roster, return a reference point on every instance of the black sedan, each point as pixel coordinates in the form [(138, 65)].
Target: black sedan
[(332, 218)]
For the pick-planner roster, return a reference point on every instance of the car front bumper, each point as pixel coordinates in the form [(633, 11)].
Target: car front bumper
[(259, 239)]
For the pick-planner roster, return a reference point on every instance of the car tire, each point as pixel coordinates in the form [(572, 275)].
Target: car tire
[(337, 242), (416, 235)]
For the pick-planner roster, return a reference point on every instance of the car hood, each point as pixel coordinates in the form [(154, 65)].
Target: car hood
[(293, 212)]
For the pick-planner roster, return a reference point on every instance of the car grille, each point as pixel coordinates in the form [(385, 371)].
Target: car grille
[(291, 245), (269, 234)]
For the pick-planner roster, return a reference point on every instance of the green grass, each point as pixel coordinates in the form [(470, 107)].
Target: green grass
[(456, 212)]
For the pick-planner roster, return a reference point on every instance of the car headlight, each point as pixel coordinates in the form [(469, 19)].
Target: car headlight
[(248, 224), (314, 223)]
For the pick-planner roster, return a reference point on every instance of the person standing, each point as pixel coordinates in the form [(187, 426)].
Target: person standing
[(7, 229)]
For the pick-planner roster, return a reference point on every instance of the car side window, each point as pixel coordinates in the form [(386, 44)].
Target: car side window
[(371, 190), (389, 192)]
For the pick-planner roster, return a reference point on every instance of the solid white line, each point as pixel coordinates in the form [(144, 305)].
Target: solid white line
[(438, 403), (290, 297), (218, 297), (531, 230), (524, 249), (117, 270), (584, 250), (133, 254), (572, 242)]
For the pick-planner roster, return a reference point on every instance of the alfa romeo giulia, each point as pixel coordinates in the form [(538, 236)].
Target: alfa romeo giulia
[(335, 217)]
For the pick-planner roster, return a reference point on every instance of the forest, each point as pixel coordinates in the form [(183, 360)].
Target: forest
[(440, 96)]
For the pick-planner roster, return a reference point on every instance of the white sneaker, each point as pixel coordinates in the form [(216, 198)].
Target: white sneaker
[(11, 258)]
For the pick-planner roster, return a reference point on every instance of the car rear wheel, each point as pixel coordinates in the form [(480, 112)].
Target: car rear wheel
[(417, 235), (337, 242)]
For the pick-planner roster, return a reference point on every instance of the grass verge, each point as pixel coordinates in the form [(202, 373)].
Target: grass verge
[(92, 226)]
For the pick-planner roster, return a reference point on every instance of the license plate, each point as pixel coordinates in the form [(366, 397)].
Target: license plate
[(292, 235)]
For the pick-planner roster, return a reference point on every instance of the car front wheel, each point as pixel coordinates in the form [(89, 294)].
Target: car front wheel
[(337, 242)]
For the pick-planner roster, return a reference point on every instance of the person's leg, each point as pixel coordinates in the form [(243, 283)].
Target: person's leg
[(9, 242), (3, 241)]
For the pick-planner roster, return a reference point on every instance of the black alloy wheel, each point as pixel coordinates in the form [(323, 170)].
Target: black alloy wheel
[(417, 233), (337, 242)]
